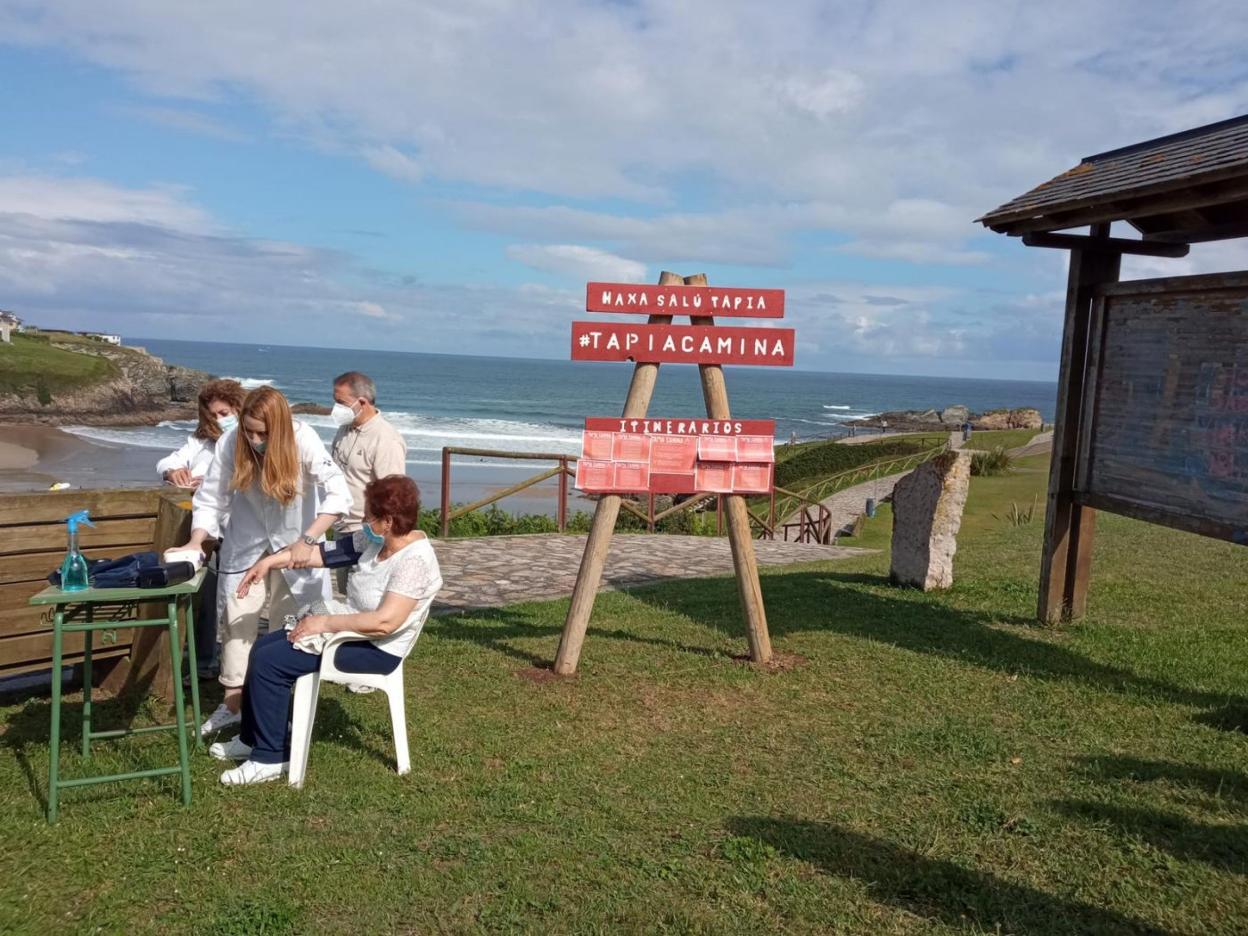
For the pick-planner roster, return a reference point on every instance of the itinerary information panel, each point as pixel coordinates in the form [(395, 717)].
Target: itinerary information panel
[(676, 456)]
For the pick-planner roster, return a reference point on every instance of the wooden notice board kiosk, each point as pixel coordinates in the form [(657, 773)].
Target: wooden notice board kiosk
[(1152, 402)]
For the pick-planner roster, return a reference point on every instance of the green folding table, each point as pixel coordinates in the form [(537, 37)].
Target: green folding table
[(101, 609)]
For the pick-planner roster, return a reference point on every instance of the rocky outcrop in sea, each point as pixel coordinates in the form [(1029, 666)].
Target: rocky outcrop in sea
[(951, 418)]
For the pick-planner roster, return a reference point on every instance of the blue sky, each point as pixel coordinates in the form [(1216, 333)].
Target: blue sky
[(446, 178)]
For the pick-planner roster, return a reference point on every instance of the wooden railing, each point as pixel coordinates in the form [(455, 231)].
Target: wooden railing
[(561, 470), (803, 511)]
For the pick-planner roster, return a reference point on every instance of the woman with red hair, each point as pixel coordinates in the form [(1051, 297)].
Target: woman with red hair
[(388, 596)]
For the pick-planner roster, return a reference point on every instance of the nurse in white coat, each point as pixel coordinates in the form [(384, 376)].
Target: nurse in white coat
[(281, 490), (219, 404)]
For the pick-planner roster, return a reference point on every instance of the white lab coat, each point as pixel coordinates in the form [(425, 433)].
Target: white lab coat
[(195, 454), (258, 523)]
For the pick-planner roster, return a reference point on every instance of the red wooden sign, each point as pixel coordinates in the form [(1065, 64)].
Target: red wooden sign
[(684, 300), (699, 426), (676, 456), (682, 344)]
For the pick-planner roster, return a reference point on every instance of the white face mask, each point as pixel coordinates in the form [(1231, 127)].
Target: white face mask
[(342, 415), (227, 422)]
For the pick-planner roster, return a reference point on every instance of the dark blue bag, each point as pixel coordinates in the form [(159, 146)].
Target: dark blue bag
[(122, 572)]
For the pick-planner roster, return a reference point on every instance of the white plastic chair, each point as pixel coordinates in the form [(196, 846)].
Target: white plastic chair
[(308, 690)]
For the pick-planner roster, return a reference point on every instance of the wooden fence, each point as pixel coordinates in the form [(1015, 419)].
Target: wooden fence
[(32, 544), (561, 469)]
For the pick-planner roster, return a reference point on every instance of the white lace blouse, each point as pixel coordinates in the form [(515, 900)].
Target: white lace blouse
[(412, 571)]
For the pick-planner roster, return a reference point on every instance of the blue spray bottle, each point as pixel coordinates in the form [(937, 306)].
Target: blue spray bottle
[(74, 568)]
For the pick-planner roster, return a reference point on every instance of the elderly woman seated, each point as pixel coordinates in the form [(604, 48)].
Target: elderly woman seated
[(395, 578)]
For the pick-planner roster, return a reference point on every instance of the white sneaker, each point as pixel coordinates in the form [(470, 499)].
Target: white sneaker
[(254, 772), (234, 749), (222, 717), (359, 689)]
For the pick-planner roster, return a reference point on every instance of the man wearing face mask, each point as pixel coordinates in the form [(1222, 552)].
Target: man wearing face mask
[(366, 448)]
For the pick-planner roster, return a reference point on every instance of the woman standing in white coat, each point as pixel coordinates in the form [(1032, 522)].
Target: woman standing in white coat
[(281, 490), (219, 405)]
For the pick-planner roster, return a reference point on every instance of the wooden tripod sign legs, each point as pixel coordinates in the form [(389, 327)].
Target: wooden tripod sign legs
[(599, 542)]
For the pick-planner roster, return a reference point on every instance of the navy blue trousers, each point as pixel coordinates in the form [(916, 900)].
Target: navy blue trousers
[(274, 666)]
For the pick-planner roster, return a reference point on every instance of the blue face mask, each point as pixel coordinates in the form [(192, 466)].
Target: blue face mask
[(373, 536), (258, 447), (226, 423)]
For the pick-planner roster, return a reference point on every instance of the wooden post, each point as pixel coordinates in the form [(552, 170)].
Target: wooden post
[(640, 389), (715, 394), (1069, 529), (771, 504), (446, 493), (561, 512)]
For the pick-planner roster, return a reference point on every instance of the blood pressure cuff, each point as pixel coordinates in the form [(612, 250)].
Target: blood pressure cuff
[(122, 572), (166, 574), (340, 553)]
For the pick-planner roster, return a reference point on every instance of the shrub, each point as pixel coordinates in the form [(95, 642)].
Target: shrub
[(998, 461), (1016, 517), (830, 458)]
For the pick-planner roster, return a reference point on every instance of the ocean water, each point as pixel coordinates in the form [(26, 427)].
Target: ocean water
[(540, 406)]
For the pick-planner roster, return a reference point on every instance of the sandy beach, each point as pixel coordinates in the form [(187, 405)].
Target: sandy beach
[(32, 458)]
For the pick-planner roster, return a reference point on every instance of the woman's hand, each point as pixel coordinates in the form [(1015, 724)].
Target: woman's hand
[(300, 554), (253, 575), (310, 625), (194, 544), (181, 477)]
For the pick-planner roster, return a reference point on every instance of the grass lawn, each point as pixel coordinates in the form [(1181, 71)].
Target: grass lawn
[(30, 363), (1010, 438), (919, 764)]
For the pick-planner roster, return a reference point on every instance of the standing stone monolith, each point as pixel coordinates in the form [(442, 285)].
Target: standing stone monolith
[(927, 512)]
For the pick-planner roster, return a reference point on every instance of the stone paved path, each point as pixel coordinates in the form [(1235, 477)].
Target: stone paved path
[(492, 571), (1041, 442), (848, 504)]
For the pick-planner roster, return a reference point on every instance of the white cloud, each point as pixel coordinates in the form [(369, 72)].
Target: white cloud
[(83, 199), (660, 133), (374, 310), (578, 262), (196, 280), (389, 160), (190, 121), (149, 263), (1215, 257), (961, 105)]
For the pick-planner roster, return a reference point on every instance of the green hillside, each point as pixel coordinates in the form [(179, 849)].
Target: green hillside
[(32, 364)]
